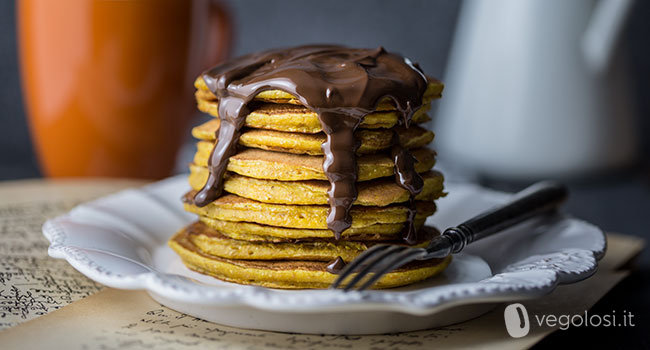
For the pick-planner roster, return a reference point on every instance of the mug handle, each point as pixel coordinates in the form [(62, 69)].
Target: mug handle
[(219, 38)]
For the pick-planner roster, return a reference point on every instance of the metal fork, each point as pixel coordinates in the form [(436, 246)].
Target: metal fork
[(379, 260)]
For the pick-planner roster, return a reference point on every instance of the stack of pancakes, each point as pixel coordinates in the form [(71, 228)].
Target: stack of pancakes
[(269, 226)]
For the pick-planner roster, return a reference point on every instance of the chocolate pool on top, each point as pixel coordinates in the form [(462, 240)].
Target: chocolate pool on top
[(342, 85)]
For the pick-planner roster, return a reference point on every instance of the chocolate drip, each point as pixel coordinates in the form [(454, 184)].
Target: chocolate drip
[(410, 234), (342, 175), (335, 266), (340, 84), (409, 179)]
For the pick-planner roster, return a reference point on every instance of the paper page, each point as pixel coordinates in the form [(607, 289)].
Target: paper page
[(115, 319), (31, 283), (620, 250)]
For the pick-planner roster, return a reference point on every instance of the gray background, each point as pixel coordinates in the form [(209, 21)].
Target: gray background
[(422, 30)]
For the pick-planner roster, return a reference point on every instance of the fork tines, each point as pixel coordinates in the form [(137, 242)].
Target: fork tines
[(373, 264)]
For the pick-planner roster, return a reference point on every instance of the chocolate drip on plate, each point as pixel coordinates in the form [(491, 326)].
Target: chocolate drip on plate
[(340, 84)]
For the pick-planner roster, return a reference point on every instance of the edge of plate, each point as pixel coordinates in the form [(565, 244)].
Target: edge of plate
[(519, 281)]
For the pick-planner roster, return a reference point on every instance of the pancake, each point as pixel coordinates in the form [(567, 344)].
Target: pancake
[(378, 192), (212, 242), (270, 165), (433, 91), (249, 231), (230, 207), (292, 118), (371, 141), (289, 274), (274, 224)]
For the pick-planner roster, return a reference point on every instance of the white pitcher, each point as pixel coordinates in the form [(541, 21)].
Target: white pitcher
[(535, 88)]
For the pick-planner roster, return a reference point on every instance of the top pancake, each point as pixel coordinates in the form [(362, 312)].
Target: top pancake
[(279, 110), (434, 90)]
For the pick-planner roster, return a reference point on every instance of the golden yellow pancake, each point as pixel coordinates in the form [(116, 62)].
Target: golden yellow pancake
[(249, 231), (379, 192), (234, 208), (292, 118), (262, 164), (300, 143), (212, 242), (289, 274), (434, 90)]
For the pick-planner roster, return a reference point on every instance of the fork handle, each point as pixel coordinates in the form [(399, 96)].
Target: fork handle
[(534, 200)]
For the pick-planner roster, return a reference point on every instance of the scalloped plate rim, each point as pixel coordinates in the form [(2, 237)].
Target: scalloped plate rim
[(335, 301)]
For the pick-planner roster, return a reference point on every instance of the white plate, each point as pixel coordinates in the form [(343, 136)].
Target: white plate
[(121, 241)]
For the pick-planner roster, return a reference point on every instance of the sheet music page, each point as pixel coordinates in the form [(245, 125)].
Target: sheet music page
[(118, 319), (31, 283)]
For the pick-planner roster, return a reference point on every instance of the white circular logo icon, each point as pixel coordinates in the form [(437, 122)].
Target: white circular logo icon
[(516, 318)]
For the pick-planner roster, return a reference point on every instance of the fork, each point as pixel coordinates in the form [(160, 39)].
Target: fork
[(381, 259)]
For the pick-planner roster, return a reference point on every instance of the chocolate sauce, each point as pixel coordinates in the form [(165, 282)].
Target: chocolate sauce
[(409, 233), (335, 266), (409, 179), (341, 85)]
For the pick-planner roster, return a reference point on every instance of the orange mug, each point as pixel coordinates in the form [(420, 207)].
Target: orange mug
[(108, 84)]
